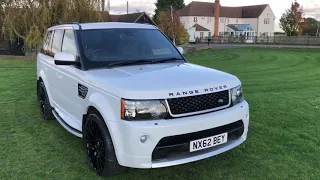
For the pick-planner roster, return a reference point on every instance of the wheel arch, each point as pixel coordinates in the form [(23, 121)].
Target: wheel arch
[(100, 104), (42, 78)]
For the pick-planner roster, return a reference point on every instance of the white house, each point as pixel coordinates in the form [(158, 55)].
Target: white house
[(259, 20)]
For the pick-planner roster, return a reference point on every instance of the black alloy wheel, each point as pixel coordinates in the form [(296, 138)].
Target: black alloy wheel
[(45, 107), (95, 146), (99, 147)]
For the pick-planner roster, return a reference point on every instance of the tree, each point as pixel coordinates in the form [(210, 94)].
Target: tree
[(165, 5), (291, 21), (29, 19), (310, 26), (173, 29)]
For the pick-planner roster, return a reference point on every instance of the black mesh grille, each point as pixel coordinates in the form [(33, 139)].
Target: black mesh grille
[(203, 102)]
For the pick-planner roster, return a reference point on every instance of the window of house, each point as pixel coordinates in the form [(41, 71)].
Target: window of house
[(57, 41), (195, 19), (69, 43), (237, 21), (221, 20), (220, 33), (209, 34), (266, 21), (201, 35), (209, 19)]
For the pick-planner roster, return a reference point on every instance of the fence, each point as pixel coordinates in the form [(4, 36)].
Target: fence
[(276, 40)]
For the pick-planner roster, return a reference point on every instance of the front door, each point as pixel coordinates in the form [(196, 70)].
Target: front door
[(66, 83), (69, 80)]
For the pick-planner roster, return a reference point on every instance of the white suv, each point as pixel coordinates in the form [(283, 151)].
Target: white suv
[(134, 99)]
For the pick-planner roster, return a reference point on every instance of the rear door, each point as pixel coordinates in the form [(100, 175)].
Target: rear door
[(45, 63), (55, 47)]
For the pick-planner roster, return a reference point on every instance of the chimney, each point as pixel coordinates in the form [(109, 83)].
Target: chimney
[(216, 20)]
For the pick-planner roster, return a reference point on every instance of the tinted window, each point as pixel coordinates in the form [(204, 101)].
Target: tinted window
[(47, 43), (57, 41), (112, 45), (69, 44)]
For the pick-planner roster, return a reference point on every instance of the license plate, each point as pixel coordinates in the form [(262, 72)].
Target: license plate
[(208, 142)]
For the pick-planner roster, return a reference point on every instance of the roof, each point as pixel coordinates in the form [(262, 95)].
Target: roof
[(129, 17), (196, 8), (103, 25), (239, 27), (132, 18), (253, 11), (113, 17), (200, 28)]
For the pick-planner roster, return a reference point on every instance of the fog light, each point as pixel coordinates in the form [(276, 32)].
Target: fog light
[(143, 138)]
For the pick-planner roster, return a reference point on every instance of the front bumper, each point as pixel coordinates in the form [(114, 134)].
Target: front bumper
[(132, 153)]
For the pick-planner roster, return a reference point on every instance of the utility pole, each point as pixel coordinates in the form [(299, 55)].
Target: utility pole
[(127, 10), (317, 34), (174, 40)]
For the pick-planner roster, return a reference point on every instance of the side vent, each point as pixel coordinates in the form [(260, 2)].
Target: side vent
[(82, 91)]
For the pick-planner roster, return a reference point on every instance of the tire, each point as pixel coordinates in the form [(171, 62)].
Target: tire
[(43, 99), (99, 147)]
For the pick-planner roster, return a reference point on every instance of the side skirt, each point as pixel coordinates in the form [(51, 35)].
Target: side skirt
[(67, 126)]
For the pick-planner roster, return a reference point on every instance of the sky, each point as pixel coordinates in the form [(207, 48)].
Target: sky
[(311, 7)]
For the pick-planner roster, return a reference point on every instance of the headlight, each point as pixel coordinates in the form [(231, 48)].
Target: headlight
[(143, 109), (236, 95)]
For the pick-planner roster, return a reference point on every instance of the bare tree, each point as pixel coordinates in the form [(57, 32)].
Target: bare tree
[(170, 24), (29, 19), (103, 3)]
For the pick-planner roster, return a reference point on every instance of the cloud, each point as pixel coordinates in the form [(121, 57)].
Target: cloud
[(312, 11), (142, 5)]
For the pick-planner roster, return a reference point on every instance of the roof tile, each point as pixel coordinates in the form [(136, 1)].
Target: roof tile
[(196, 8)]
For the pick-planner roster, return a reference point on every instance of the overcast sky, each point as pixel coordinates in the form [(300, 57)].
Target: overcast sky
[(311, 7)]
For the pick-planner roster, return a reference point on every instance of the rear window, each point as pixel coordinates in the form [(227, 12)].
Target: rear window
[(57, 41), (46, 48)]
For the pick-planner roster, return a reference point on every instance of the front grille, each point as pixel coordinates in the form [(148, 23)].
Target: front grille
[(179, 144), (198, 103)]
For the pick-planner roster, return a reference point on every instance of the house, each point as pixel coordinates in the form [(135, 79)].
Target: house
[(140, 17), (212, 19)]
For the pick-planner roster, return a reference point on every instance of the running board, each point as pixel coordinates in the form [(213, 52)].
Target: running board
[(66, 126)]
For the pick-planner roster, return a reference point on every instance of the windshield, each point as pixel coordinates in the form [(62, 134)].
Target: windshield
[(119, 45)]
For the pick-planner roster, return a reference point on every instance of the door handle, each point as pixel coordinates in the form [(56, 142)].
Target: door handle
[(59, 76)]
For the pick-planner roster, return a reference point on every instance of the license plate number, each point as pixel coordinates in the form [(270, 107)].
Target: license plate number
[(208, 142)]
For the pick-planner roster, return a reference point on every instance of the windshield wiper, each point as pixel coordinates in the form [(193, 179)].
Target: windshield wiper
[(123, 63), (166, 60)]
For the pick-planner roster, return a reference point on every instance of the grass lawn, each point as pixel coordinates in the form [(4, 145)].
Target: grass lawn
[(282, 87)]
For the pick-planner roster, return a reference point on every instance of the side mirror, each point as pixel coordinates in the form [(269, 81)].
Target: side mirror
[(180, 49), (63, 58)]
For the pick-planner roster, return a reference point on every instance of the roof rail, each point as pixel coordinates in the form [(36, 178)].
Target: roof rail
[(70, 23), (77, 23)]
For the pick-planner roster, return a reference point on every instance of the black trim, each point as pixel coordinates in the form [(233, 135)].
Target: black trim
[(66, 63), (60, 119), (82, 91)]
